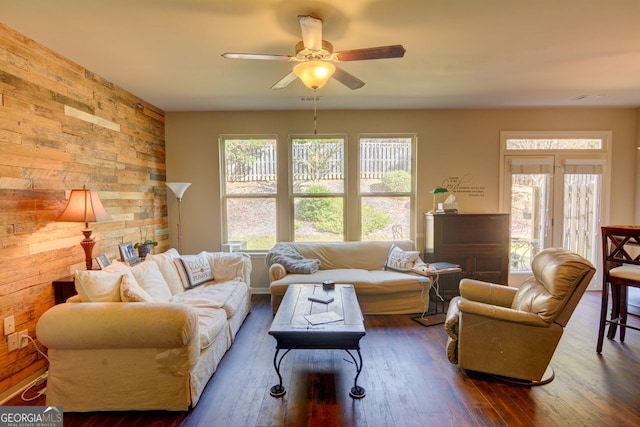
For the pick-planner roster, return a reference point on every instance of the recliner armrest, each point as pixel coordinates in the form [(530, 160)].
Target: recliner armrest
[(488, 293), (504, 314)]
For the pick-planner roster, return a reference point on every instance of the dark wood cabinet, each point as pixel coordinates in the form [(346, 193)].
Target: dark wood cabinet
[(63, 289), (479, 243)]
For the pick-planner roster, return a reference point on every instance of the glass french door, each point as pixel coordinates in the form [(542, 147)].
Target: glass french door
[(555, 200)]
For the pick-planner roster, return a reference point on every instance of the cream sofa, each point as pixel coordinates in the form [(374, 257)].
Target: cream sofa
[(145, 337), (362, 264)]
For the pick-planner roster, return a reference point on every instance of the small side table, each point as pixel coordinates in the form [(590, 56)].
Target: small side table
[(63, 289), (437, 317)]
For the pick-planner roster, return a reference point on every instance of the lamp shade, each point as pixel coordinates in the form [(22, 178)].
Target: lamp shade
[(84, 206), (314, 74), (439, 190), (178, 188)]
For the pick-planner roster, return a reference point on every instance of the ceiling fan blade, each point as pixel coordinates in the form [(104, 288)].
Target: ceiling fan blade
[(349, 80), (311, 29), (285, 81), (268, 57), (380, 52)]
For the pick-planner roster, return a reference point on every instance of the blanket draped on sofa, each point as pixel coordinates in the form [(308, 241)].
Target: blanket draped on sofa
[(291, 260)]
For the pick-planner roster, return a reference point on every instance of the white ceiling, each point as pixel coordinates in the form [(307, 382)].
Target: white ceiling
[(460, 53)]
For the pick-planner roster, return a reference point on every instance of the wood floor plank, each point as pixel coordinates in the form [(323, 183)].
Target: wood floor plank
[(409, 382)]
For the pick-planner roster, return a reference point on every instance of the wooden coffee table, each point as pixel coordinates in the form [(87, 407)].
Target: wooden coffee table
[(292, 329)]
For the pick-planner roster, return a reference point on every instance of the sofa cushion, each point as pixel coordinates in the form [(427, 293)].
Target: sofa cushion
[(194, 270), (378, 282), (211, 321), (226, 295), (130, 291), (366, 255), (168, 269), (98, 285), (237, 297)]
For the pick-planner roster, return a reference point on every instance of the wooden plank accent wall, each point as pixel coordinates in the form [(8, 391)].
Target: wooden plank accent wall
[(62, 127)]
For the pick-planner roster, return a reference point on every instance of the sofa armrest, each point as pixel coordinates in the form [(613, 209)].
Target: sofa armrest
[(488, 293), (503, 314), (276, 272), (111, 325)]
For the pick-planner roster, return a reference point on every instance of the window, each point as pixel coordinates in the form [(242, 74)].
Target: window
[(249, 190), (386, 187), (328, 196), (554, 144), (318, 165)]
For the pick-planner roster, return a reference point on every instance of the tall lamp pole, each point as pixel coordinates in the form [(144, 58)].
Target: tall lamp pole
[(178, 189)]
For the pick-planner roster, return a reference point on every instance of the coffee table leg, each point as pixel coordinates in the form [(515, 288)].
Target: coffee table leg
[(278, 389), (357, 392)]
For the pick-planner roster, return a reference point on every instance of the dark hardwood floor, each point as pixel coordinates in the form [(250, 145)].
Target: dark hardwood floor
[(409, 382)]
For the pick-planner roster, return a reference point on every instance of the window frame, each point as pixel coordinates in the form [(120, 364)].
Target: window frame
[(292, 195), (285, 197), (224, 196), (411, 194)]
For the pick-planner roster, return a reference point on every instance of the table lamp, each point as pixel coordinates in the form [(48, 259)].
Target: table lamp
[(435, 192), (85, 206), (178, 189)]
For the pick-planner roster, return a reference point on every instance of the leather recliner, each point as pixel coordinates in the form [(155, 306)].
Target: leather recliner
[(513, 332)]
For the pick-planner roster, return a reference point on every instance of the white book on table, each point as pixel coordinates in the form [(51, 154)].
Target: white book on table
[(325, 317)]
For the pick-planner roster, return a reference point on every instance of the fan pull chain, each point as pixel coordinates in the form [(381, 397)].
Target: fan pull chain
[(315, 116)]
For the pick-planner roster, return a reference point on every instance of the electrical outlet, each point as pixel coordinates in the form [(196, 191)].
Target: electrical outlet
[(23, 337), (9, 325), (12, 342)]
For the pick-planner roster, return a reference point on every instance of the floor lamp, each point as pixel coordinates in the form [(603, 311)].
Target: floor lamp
[(85, 206), (178, 189)]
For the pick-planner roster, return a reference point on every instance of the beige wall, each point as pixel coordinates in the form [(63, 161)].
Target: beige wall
[(451, 143), (637, 170)]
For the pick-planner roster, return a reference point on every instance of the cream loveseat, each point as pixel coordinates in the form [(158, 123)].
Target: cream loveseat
[(379, 290), (145, 337)]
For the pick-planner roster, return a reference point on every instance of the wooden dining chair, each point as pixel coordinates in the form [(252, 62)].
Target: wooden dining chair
[(621, 269)]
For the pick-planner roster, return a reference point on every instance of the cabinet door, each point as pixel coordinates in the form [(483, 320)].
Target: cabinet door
[(479, 243), (489, 268)]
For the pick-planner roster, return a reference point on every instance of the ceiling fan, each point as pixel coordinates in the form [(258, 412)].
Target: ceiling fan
[(315, 58)]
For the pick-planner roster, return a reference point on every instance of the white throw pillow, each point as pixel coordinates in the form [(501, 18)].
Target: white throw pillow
[(148, 276), (120, 267), (98, 285), (399, 259), (227, 265), (130, 291), (168, 269), (194, 270)]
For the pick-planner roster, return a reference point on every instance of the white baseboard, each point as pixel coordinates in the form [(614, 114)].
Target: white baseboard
[(19, 388), (260, 291)]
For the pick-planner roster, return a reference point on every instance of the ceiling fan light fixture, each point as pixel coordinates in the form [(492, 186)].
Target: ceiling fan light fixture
[(314, 74)]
